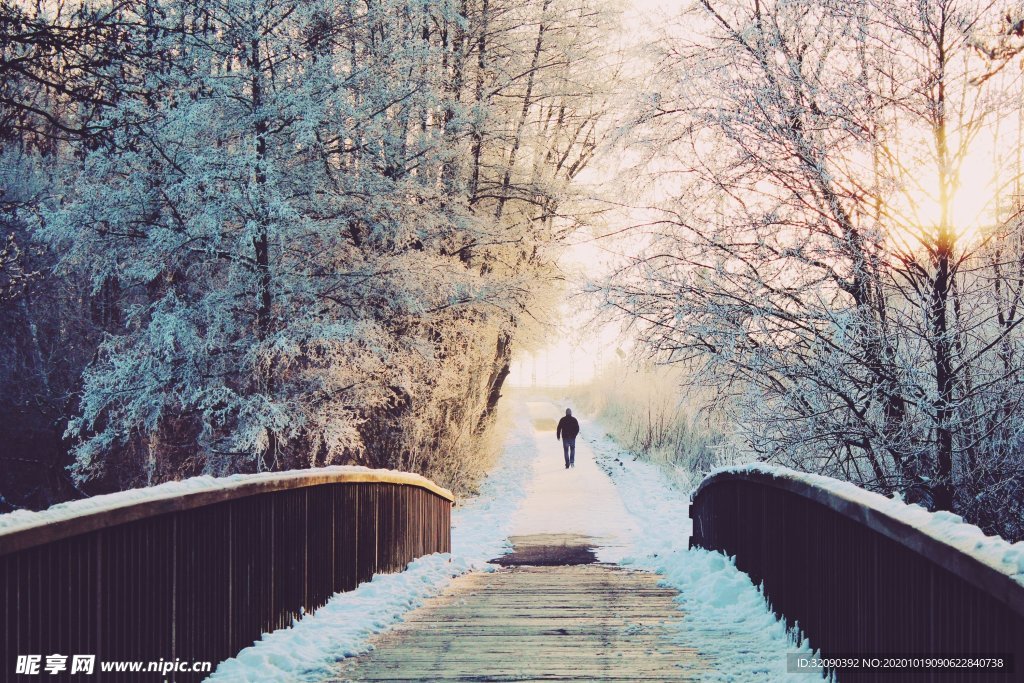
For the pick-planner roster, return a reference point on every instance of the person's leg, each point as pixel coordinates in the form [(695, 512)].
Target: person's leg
[(565, 448), (572, 453)]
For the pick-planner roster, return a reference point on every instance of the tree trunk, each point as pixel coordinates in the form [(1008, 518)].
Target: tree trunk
[(261, 244), (500, 371), (481, 66), (524, 113)]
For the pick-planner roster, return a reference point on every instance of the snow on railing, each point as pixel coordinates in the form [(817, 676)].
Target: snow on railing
[(25, 528), (942, 526)]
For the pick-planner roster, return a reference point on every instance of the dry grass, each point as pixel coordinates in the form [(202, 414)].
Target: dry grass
[(649, 411)]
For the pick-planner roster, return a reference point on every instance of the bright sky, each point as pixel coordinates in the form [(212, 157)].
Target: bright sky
[(572, 355)]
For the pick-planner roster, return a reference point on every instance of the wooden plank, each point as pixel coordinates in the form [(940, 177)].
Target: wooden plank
[(571, 623)]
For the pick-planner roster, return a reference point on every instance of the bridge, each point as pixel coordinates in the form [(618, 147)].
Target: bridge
[(199, 570)]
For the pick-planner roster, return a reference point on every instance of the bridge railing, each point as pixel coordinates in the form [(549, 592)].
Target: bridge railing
[(197, 575), (862, 576)]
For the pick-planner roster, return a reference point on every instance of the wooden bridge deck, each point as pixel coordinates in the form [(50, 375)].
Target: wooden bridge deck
[(536, 620)]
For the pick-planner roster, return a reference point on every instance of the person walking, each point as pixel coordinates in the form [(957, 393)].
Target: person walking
[(568, 429)]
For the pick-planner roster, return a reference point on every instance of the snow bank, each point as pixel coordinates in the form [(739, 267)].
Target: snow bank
[(340, 628), (725, 617), (942, 526), (26, 519), (312, 646)]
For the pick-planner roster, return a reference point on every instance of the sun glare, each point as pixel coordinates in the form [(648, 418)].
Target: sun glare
[(972, 207)]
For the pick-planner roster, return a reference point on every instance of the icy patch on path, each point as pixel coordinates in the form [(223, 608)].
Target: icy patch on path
[(725, 617), (309, 649)]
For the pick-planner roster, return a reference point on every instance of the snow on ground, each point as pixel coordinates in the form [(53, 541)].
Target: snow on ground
[(638, 518), (945, 527), (308, 650), (726, 618), (629, 508)]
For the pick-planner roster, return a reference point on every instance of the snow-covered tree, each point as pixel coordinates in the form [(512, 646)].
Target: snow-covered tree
[(817, 258), (318, 229)]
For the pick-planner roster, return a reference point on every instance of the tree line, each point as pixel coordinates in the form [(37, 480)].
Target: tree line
[(250, 235)]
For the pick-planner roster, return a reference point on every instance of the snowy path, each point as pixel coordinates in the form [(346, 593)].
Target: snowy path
[(581, 501), (704, 622), (551, 613)]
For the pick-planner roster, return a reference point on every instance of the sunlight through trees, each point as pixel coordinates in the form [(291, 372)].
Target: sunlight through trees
[(840, 241)]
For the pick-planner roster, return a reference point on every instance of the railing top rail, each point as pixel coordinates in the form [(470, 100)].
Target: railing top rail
[(25, 529), (988, 562)]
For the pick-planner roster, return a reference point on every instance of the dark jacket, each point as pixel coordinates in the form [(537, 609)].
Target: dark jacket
[(567, 427)]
